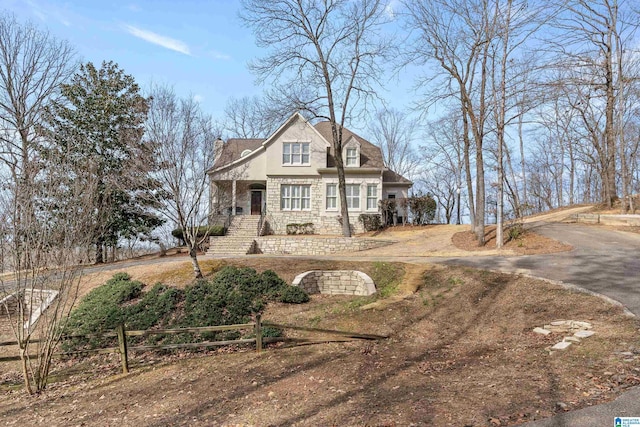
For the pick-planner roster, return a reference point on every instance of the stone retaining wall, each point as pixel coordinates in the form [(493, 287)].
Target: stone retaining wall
[(338, 282), (8, 305), (35, 303), (275, 245), (608, 219)]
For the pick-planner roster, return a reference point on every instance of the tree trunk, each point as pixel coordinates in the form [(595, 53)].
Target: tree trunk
[(467, 170), (572, 172), (611, 191), (480, 197), (99, 252), (525, 198), (25, 370), (344, 208), (193, 254)]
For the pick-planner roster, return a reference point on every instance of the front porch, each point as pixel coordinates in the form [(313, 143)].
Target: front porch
[(235, 197)]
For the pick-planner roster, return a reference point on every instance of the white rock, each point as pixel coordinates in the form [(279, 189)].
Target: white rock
[(583, 334), (571, 339), (541, 331), (561, 323), (581, 325), (562, 345)]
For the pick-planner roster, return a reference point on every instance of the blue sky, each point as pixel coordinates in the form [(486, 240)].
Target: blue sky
[(200, 47)]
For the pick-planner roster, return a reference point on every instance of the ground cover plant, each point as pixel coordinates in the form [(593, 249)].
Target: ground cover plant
[(234, 295), (461, 351)]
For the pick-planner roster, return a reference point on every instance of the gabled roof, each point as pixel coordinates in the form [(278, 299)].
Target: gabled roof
[(370, 155), (233, 148), (237, 146), (389, 176)]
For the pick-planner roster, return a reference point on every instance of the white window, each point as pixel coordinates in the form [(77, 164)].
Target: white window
[(353, 196), (285, 197), (305, 194), (295, 153), (372, 197), (352, 156), (332, 196), (295, 197)]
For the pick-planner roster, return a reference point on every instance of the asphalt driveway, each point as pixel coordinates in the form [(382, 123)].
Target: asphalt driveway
[(602, 261)]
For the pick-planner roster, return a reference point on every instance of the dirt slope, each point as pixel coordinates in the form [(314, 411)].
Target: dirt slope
[(461, 352)]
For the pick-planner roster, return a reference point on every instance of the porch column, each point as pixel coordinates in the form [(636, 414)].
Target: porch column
[(233, 197), (213, 199)]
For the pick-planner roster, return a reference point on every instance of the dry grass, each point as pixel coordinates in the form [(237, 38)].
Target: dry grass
[(529, 243), (461, 352)]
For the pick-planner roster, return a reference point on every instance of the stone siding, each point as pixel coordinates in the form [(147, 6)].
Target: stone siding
[(324, 223), (625, 220), (339, 282), (300, 245)]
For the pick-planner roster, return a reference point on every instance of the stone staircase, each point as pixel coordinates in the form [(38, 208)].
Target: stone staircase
[(239, 239)]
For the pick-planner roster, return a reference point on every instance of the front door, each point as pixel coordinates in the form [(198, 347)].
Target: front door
[(256, 202)]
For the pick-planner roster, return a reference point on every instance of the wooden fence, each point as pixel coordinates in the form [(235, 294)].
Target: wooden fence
[(259, 339)]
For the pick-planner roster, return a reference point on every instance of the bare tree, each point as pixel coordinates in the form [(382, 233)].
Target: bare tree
[(184, 139), (327, 56), (597, 41), (42, 255), (254, 117), (394, 133), (32, 66), (443, 159), (457, 36)]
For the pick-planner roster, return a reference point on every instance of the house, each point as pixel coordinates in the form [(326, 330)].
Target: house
[(291, 177)]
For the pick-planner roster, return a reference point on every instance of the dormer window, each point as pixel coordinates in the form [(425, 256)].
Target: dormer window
[(351, 153), (295, 153), (352, 156)]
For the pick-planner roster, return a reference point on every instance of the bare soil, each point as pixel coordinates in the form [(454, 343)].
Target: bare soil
[(528, 243), (460, 352)]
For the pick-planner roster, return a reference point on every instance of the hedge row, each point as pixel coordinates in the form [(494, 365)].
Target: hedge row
[(233, 296), (203, 231)]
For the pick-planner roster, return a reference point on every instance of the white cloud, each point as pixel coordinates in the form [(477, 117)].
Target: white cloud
[(391, 8), (220, 55), (37, 11), (134, 7), (64, 21), (198, 98), (157, 39), (43, 13)]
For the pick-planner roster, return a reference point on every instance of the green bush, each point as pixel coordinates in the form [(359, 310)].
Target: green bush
[(423, 208), (203, 231), (304, 228), (234, 295), (101, 309), (515, 231), (294, 295), (154, 309), (371, 222)]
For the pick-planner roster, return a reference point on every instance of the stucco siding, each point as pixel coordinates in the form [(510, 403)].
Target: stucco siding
[(298, 132)]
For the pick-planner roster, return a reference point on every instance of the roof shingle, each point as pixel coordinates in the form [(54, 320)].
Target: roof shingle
[(233, 148), (370, 155)]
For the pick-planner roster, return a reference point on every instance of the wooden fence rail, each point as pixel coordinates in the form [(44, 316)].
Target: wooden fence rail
[(123, 345)]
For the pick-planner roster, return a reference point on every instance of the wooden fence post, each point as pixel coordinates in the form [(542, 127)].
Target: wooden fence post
[(122, 345), (258, 333)]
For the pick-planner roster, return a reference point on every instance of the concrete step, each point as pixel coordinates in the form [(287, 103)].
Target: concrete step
[(244, 225), (230, 245)]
